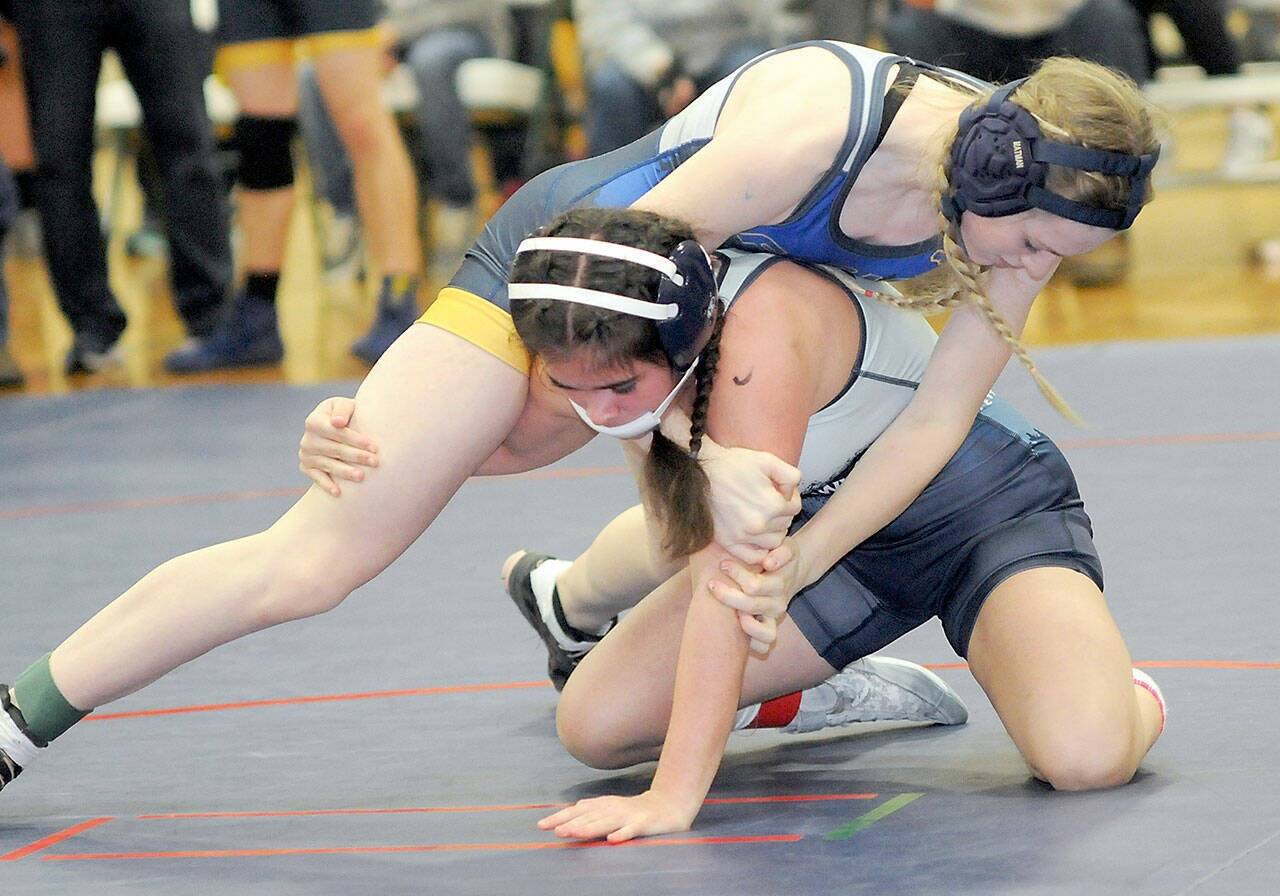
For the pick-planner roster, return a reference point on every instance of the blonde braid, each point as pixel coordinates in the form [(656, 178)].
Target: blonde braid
[(960, 284)]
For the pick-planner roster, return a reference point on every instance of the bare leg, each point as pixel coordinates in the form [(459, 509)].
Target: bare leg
[(267, 90), (419, 403), (350, 79), (615, 709), (1048, 654), (613, 574)]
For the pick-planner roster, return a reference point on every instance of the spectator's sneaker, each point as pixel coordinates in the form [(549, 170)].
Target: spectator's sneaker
[(89, 356), (10, 373), (341, 237), (148, 241), (248, 336), (396, 313), (26, 235), (561, 659), (1251, 138), (883, 689)]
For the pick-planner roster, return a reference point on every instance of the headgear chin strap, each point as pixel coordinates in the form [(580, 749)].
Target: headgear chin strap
[(688, 296), (1000, 159)]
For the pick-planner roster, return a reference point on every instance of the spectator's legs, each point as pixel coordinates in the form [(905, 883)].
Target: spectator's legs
[(331, 168), (927, 36), (619, 110), (262, 77), (166, 60), (350, 78), (1109, 32), (441, 118), (333, 179), (265, 90), (445, 130), (1203, 27), (62, 53)]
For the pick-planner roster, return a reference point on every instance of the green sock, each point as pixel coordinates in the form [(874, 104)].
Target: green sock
[(47, 713)]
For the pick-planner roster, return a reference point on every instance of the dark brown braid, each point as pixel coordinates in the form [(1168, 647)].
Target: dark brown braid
[(678, 489)]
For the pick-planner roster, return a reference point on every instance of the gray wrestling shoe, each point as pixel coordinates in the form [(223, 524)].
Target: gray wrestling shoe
[(560, 661), (883, 689)]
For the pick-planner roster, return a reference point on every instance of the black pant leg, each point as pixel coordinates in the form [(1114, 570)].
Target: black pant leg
[(1203, 26), (62, 44), (166, 60)]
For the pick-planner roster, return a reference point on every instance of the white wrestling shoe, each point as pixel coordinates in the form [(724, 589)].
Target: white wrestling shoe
[(879, 689)]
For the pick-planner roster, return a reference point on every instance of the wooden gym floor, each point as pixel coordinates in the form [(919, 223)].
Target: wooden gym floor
[(1192, 275)]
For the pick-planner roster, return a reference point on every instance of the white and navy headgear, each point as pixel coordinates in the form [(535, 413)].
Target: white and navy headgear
[(687, 302)]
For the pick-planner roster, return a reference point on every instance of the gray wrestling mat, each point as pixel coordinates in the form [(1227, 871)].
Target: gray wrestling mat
[(404, 742)]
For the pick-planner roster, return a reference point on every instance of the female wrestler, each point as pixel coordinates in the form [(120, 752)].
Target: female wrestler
[(998, 545), (788, 153)]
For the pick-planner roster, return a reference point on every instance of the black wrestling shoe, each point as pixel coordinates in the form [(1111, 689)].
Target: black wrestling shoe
[(8, 768), (560, 662)]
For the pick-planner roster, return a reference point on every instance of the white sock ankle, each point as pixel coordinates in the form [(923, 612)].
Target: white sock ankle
[(1146, 682), (16, 745), (543, 581)]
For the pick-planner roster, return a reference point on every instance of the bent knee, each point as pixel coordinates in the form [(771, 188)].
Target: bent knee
[(1092, 763), (590, 736)]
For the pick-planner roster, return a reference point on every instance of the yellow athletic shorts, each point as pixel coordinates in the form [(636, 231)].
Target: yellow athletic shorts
[(481, 323)]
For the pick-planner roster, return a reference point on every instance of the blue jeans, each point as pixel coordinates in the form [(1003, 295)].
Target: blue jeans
[(441, 122), (620, 110)]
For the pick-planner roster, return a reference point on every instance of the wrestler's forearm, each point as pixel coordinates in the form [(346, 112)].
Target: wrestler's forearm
[(713, 653), (884, 482)]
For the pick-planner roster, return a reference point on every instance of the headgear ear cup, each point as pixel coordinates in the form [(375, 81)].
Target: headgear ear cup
[(1000, 160), (697, 297)]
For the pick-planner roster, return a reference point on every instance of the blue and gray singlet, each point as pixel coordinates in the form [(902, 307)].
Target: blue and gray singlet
[(811, 233)]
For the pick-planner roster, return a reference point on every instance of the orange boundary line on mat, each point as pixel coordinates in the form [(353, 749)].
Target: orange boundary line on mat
[(38, 510), (46, 842), (411, 810), (423, 847), (1160, 664), (319, 698), (522, 685)]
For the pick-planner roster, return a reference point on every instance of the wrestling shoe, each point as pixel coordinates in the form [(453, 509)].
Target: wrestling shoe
[(13, 734), (561, 659), (8, 769), (881, 689)]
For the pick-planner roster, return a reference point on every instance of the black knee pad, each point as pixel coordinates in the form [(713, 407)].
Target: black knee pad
[(265, 149)]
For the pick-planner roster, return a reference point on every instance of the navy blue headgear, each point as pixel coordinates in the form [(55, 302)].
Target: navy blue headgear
[(684, 311), (1000, 159), (684, 336)]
